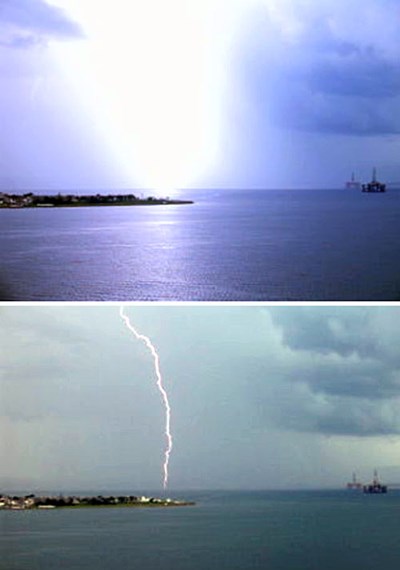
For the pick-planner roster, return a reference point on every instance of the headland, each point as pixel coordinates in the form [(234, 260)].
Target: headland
[(31, 501), (31, 200)]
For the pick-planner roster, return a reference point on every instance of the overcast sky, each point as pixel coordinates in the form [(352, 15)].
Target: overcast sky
[(227, 93), (276, 397)]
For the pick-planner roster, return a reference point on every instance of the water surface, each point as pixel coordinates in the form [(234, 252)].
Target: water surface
[(232, 531), (229, 246)]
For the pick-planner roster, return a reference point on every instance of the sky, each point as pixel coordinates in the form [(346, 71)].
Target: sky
[(198, 93), (261, 397)]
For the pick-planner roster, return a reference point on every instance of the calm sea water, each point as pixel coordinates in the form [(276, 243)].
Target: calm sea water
[(246, 531), (230, 245)]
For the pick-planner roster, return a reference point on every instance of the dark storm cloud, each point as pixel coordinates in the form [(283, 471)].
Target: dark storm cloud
[(324, 113), (363, 420), (322, 80), (372, 381), (368, 335), (356, 95), (24, 23), (340, 416), (344, 372), (326, 331), (360, 99), (367, 76)]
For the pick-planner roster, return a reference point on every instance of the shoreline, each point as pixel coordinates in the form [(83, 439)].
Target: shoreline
[(30, 200), (31, 502)]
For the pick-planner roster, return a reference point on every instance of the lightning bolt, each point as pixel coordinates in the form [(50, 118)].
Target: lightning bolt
[(160, 387)]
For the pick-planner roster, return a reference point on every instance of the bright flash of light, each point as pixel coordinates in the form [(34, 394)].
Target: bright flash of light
[(152, 75), (160, 387)]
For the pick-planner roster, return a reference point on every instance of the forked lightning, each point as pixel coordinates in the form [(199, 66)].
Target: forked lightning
[(161, 388)]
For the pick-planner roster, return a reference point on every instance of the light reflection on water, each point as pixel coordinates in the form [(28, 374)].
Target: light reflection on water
[(230, 245)]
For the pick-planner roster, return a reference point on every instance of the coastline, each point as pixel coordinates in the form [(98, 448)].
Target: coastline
[(30, 200), (32, 502)]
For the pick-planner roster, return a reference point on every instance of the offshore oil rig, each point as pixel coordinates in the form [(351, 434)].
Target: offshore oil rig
[(374, 488), (354, 484), (374, 185), (353, 183)]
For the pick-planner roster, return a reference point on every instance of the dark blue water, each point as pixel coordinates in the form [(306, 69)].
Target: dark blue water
[(230, 245), (232, 531)]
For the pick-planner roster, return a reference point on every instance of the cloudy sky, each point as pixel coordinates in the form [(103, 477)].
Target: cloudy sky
[(192, 93), (277, 397)]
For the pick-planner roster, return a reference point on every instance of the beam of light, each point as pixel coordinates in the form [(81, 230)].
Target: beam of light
[(160, 387), (153, 76)]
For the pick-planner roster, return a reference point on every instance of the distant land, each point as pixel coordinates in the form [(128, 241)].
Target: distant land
[(31, 501), (31, 200)]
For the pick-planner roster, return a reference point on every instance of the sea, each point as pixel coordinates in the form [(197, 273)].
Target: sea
[(230, 245), (292, 530)]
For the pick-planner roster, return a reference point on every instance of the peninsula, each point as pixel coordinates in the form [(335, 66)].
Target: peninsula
[(31, 200), (17, 503)]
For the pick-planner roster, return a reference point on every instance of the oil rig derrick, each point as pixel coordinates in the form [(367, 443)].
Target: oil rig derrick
[(373, 186), (354, 484), (353, 183), (376, 486)]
